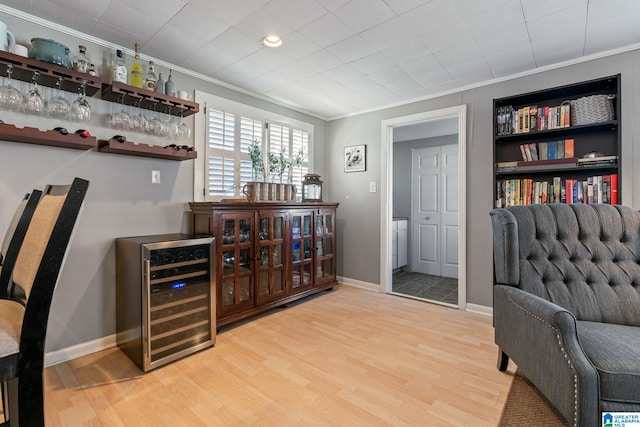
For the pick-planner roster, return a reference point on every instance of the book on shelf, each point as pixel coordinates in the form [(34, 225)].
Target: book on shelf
[(532, 118), (526, 191)]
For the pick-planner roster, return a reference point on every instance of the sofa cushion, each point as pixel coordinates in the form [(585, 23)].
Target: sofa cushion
[(614, 350), (584, 258)]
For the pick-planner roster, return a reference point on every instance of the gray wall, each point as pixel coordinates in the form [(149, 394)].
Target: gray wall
[(359, 213), (121, 200)]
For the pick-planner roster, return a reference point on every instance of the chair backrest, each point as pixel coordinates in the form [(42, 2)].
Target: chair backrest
[(36, 272), (14, 237), (585, 258)]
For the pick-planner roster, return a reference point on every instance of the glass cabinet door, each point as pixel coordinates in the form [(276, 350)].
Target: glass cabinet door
[(270, 263), (324, 246), (301, 253), (234, 264)]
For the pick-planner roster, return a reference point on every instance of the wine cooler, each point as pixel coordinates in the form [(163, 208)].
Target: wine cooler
[(165, 297)]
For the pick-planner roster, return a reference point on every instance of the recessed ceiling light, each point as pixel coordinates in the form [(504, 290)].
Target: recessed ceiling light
[(272, 41)]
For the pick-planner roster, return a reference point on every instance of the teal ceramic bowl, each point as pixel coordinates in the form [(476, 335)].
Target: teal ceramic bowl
[(50, 51)]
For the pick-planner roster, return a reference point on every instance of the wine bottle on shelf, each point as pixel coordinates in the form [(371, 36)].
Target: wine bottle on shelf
[(169, 86), (137, 70), (81, 62), (150, 77), (160, 83), (119, 72)]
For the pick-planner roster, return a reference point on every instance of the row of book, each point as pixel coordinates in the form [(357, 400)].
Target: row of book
[(532, 118), (526, 191), (547, 150)]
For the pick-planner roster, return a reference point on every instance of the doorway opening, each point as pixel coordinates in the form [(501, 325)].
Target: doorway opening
[(423, 206)]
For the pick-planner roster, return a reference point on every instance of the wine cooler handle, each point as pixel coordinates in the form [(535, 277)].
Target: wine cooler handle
[(146, 292)]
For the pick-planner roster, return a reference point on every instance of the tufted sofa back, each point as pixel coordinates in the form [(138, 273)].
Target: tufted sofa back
[(585, 258)]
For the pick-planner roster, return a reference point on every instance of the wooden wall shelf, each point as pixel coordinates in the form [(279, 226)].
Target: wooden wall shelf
[(50, 138), (144, 150), (49, 74), (148, 100)]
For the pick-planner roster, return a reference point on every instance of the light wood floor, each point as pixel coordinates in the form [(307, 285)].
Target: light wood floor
[(349, 357)]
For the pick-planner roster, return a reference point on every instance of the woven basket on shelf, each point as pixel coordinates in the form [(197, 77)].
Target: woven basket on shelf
[(592, 109)]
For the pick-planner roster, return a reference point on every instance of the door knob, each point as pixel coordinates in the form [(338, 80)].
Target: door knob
[(427, 218)]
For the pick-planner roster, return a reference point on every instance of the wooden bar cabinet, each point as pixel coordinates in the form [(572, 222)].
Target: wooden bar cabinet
[(267, 254)]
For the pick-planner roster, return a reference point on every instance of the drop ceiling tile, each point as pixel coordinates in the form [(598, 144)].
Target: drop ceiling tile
[(229, 12), (372, 63), (600, 10), (269, 58), (568, 23), (389, 75), (516, 36), (435, 14), (194, 22), (243, 69), (402, 6), (459, 54), (511, 60), (295, 71), (89, 9), (297, 13), (326, 30), (443, 38), (267, 82), (260, 23), (534, 9), (317, 81), (599, 36), (477, 69), (360, 15), (500, 17), (209, 59), (117, 36), (236, 42), (406, 50), (425, 63), (332, 5), (351, 49), (321, 60), (142, 17), (342, 73), (172, 39), (387, 34), (295, 45), (548, 51), (60, 15), (473, 7), (406, 88), (432, 78)]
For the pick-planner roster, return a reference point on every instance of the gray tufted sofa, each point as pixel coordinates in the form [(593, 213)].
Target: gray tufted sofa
[(567, 304)]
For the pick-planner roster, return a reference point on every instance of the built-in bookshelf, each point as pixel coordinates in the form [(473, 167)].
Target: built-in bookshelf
[(559, 145)]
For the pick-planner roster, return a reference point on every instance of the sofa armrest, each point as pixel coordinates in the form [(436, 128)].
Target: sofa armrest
[(541, 338), (505, 247)]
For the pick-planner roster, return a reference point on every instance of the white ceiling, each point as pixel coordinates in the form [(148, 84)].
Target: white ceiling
[(341, 57)]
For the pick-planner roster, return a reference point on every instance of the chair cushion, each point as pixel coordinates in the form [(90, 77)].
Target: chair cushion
[(614, 350), (11, 315)]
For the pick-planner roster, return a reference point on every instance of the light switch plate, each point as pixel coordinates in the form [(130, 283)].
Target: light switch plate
[(372, 187), (155, 177)]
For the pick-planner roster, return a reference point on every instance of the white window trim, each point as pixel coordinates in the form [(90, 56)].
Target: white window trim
[(200, 134)]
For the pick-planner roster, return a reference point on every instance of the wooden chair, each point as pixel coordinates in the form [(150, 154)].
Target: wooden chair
[(23, 324), (14, 236)]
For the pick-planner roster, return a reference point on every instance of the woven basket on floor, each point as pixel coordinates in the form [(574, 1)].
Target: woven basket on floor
[(592, 109)]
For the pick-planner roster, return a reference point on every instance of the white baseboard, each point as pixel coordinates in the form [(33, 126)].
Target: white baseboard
[(359, 284), (58, 356), (480, 309)]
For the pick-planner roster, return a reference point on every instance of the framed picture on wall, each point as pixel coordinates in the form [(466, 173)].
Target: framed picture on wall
[(355, 158)]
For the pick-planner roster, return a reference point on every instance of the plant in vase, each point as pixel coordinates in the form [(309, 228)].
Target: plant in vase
[(257, 162), (285, 165), (274, 165), (296, 162)]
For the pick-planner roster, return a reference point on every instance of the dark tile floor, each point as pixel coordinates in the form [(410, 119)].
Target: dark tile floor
[(435, 288)]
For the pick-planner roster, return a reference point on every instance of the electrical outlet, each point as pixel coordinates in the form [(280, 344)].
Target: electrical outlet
[(372, 187), (155, 177)]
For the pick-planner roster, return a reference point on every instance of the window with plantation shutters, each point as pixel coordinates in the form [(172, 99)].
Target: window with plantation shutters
[(230, 129)]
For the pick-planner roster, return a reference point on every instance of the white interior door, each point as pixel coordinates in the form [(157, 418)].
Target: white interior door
[(435, 211)]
